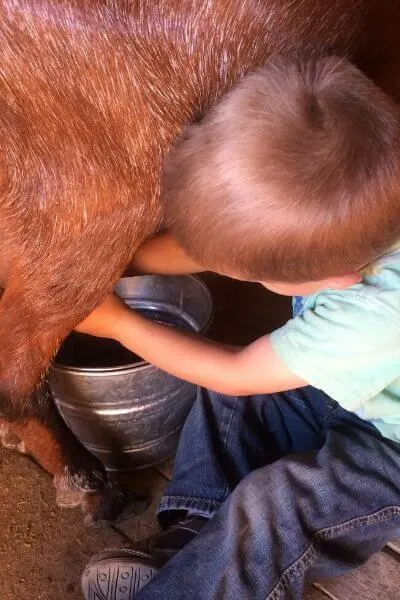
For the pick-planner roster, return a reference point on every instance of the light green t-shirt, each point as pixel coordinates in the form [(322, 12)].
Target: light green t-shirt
[(347, 343)]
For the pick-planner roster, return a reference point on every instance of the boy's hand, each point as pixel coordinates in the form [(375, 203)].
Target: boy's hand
[(104, 321)]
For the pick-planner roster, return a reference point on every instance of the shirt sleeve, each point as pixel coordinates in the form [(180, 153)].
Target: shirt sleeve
[(347, 346)]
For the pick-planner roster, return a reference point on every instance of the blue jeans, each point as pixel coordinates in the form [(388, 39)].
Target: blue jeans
[(296, 486)]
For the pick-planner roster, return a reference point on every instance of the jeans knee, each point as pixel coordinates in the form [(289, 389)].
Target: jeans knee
[(252, 489)]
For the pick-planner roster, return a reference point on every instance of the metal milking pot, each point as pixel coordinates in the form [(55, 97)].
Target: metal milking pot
[(130, 414)]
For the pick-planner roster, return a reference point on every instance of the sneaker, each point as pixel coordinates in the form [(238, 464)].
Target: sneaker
[(121, 574)]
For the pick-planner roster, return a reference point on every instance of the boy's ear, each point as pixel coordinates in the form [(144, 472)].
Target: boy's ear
[(343, 281)]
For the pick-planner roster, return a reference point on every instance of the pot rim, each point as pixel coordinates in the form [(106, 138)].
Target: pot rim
[(136, 366)]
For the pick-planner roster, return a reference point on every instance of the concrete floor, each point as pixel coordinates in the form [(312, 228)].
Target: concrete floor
[(43, 549)]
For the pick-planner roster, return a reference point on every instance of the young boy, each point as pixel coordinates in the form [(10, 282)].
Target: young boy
[(293, 181)]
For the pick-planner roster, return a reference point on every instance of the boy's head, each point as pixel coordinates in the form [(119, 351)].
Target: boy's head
[(293, 177)]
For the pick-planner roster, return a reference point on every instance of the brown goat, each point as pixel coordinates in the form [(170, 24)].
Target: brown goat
[(92, 94)]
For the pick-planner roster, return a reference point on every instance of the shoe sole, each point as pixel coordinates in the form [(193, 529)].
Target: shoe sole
[(117, 575)]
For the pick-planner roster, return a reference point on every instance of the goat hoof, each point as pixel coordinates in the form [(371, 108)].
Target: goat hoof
[(102, 502), (104, 505), (113, 504)]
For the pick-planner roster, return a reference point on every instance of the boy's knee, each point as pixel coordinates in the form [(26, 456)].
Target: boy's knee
[(253, 491), (274, 485)]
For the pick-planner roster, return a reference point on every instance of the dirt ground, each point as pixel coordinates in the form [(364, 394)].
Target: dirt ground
[(44, 549)]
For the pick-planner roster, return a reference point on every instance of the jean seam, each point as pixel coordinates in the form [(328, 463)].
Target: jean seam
[(229, 425), (305, 560), (334, 406), (331, 414), (195, 498), (226, 488), (294, 398)]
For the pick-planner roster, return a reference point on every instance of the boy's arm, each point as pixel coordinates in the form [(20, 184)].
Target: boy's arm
[(162, 255), (229, 370)]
